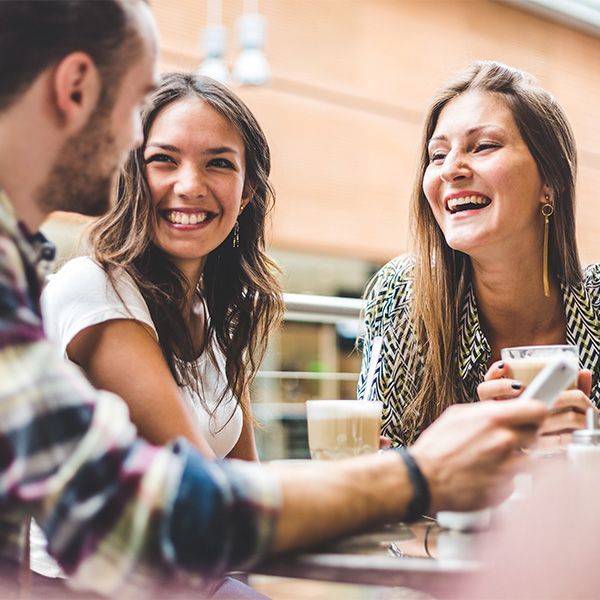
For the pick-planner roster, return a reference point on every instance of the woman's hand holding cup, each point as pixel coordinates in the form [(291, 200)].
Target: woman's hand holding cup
[(498, 383), (567, 413)]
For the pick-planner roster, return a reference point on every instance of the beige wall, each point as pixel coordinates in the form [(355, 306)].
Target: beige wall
[(351, 79)]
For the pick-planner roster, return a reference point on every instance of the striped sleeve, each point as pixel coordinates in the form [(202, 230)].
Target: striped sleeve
[(386, 289)]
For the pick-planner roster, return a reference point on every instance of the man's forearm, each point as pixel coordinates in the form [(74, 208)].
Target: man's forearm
[(326, 499)]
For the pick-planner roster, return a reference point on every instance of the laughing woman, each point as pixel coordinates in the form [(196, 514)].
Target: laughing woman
[(496, 260)]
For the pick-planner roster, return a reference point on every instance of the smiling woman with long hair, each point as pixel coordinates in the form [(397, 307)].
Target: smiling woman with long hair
[(173, 307), (495, 259)]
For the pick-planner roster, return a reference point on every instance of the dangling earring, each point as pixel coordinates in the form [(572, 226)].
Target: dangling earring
[(547, 212), (236, 235)]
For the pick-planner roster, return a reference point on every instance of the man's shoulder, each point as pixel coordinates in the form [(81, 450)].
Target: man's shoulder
[(20, 321), (13, 279), (10, 256)]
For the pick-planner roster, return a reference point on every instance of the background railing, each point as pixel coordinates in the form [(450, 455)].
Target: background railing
[(321, 309)]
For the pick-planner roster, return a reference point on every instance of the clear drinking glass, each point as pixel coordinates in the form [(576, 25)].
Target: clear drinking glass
[(526, 362), (343, 428)]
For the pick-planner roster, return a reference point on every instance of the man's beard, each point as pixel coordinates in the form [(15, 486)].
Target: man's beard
[(83, 175)]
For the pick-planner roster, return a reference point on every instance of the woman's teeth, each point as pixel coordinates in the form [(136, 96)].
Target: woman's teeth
[(467, 202), (184, 218)]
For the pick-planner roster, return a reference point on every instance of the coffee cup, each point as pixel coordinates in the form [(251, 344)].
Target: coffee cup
[(525, 362), (342, 428)]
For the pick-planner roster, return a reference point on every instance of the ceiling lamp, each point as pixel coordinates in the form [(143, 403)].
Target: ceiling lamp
[(251, 66), (213, 41)]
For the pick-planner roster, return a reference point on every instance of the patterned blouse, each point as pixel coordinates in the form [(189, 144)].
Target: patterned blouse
[(397, 376)]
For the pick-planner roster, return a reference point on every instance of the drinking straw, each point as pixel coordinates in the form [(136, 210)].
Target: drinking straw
[(375, 352)]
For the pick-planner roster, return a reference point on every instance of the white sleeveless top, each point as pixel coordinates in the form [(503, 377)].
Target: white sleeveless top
[(81, 295)]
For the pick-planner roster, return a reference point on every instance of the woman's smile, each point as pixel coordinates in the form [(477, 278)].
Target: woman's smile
[(195, 169), (466, 202), (187, 218), (482, 183)]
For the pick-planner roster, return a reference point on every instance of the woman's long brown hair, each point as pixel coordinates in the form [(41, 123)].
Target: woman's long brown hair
[(239, 284), (443, 275)]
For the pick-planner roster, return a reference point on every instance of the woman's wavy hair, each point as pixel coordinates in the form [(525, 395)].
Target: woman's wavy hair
[(442, 275), (239, 285)]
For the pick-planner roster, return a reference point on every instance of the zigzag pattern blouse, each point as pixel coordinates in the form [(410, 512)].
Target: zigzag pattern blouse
[(398, 372)]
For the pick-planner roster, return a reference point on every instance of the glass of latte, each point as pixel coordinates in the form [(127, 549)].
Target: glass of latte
[(526, 362), (342, 428)]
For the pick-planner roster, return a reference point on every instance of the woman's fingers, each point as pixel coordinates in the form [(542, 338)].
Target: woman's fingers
[(564, 422), (384, 442), (497, 370), (574, 400), (499, 389), (568, 412), (584, 381), (497, 384)]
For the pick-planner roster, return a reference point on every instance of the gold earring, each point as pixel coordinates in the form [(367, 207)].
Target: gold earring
[(236, 235), (547, 212)]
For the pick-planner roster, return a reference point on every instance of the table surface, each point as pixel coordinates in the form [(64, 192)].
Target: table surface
[(420, 555)]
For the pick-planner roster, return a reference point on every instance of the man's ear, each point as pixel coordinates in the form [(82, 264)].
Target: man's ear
[(76, 87)]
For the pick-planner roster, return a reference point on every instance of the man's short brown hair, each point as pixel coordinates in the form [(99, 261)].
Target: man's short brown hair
[(35, 35)]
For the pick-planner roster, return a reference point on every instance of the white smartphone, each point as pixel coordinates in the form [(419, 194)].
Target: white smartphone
[(554, 378)]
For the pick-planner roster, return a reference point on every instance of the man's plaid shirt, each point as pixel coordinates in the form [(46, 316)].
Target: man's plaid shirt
[(120, 514)]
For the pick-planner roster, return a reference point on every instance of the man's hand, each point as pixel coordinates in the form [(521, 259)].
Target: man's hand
[(471, 453)]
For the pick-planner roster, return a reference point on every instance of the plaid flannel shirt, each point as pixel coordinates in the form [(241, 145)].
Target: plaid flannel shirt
[(120, 514)]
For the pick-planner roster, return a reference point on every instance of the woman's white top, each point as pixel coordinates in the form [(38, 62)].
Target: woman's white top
[(80, 295)]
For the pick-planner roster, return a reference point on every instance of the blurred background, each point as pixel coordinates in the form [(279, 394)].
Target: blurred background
[(340, 88)]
